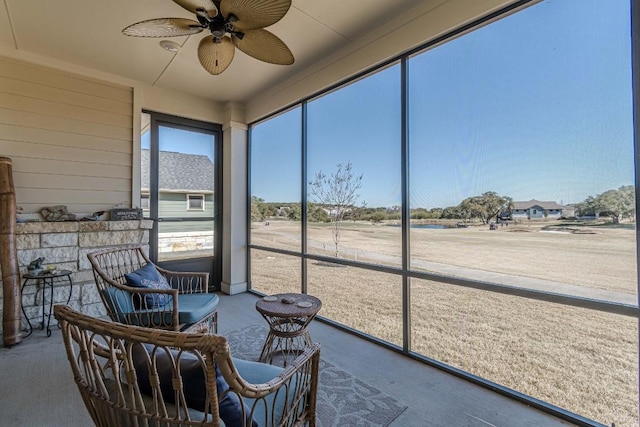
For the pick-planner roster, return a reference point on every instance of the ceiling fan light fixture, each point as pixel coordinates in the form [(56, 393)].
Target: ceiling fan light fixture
[(169, 45), (232, 23)]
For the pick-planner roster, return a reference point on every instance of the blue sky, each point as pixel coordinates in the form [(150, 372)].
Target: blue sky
[(536, 105), (539, 104), (181, 141)]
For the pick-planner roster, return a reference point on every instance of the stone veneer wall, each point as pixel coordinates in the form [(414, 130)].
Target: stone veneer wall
[(65, 245), (185, 241)]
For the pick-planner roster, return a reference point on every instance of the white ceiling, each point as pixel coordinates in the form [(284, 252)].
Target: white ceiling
[(87, 33)]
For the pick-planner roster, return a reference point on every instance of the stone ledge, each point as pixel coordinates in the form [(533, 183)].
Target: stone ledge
[(47, 227), (140, 224), (93, 226), (82, 226)]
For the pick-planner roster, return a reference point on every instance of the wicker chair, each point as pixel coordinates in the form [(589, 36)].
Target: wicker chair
[(187, 306), (112, 362)]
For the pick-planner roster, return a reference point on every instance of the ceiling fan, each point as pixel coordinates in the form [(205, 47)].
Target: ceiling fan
[(232, 23)]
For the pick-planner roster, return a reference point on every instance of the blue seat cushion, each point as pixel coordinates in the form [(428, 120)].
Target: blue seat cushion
[(149, 277), (192, 308), (230, 406)]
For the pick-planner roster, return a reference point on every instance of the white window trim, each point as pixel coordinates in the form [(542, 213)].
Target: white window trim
[(189, 196), (146, 197)]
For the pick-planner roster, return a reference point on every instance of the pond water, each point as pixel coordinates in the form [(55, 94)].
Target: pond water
[(433, 226)]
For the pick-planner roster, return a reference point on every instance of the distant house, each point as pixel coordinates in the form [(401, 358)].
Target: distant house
[(186, 186), (334, 211), (284, 210), (535, 209)]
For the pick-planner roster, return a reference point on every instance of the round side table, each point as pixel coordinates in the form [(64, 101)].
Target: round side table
[(42, 281), (288, 316)]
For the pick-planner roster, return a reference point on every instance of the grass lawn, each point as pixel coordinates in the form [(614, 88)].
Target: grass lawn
[(578, 359)]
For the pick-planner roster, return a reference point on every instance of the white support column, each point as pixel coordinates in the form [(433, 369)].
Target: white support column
[(234, 218)]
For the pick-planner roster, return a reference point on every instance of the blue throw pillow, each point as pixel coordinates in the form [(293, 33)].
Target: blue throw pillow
[(149, 277), (193, 380)]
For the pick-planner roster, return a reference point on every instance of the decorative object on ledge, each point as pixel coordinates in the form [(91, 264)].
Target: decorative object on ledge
[(35, 266), (122, 214), (93, 217), (19, 210), (11, 306), (57, 213)]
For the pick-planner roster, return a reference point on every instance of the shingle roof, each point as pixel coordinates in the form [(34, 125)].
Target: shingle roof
[(180, 171), (533, 202)]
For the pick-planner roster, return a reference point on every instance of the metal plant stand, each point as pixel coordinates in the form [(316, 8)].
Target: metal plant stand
[(43, 281)]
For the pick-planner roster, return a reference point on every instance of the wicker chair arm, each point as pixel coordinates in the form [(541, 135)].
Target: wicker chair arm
[(143, 291), (162, 316), (186, 282), (296, 387), (134, 290), (305, 361)]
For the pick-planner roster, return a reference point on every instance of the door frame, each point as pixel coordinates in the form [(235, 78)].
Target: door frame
[(213, 265)]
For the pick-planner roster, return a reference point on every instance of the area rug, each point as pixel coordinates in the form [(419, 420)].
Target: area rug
[(343, 400)]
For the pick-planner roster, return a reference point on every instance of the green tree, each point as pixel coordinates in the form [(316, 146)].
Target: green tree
[(394, 216), (295, 212), (339, 192), (486, 206), (452, 212), (270, 210), (471, 208), (587, 207), (317, 214), (261, 210), (436, 213), (617, 204), (378, 216), (419, 213), (257, 209)]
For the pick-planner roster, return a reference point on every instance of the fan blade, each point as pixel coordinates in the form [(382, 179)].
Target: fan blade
[(215, 57), (163, 27), (194, 5), (265, 46), (254, 14)]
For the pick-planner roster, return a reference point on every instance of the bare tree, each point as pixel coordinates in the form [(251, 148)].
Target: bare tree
[(339, 193)]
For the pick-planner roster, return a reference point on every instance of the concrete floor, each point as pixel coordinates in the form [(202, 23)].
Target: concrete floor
[(37, 388)]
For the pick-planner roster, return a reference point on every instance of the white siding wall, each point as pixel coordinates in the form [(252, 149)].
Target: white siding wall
[(70, 138)]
